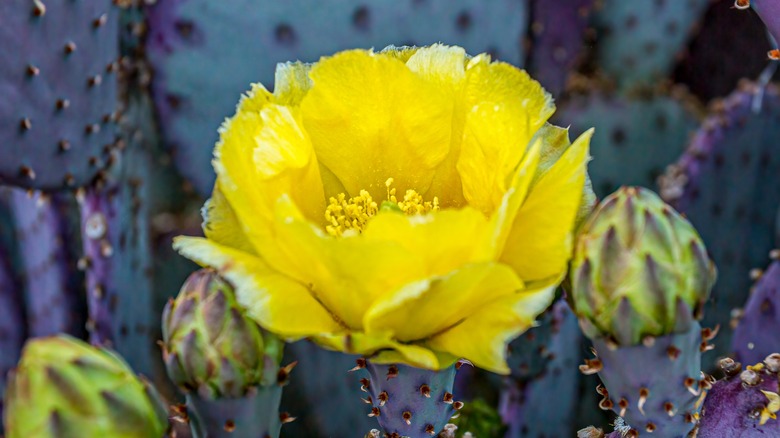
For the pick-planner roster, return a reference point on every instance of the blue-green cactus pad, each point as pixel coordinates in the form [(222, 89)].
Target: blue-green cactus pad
[(635, 138), (638, 41)]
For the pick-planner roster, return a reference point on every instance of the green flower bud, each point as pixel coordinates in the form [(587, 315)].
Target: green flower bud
[(211, 346), (64, 387), (639, 269)]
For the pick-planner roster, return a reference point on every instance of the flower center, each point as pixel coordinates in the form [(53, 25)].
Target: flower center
[(351, 215)]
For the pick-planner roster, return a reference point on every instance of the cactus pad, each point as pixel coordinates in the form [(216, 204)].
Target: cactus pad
[(526, 405), (756, 335), (52, 290), (769, 11), (741, 405), (635, 138), (60, 92), (318, 403), (205, 52), (728, 184), (639, 41), (654, 386), (118, 260), (252, 416), (410, 402), (558, 34)]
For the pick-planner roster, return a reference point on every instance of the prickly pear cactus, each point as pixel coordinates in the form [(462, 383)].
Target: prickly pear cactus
[(756, 335), (525, 401), (410, 402), (117, 259), (318, 403), (639, 41), (558, 39), (745, 403), (662, 400), (728, 185), (636, 137), (225, 364), (205, 53), (60, 92), (253, 415), (638, 274), (50, 279)]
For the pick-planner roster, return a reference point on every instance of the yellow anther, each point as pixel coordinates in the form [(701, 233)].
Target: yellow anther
[(413, 203), (344, 214), (771, 409), (353, 214), (390, 192)]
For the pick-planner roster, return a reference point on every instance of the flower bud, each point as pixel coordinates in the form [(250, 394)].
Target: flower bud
[(65, 387), (639, 269), (211, 346)]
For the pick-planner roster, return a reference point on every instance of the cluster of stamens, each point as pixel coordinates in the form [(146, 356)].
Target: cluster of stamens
[(351, 215)]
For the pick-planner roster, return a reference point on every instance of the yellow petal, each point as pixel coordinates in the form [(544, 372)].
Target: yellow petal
[(415, 355), (371, 118), (347, 273), (482, 338), (445, 66), (428, 307), (555, 142), (539, 243), (275, 301), (438, 240), (236, 174), (502, 220), (262, 155), (291, 82), (221, 225), (254, 100), (382, 349), (504, 108), (402, 53)]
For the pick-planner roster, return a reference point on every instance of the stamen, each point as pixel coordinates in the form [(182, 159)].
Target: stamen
[(344, 215), (352, 214)]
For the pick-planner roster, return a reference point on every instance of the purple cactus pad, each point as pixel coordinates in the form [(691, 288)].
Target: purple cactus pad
[(756, 336), (52, 297), (59, 88), (558, 31), (654, 386), (728, 185), (769, 11), (410, 402), (734, 405)]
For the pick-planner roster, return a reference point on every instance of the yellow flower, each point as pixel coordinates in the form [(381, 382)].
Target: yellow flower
[(411, 204)]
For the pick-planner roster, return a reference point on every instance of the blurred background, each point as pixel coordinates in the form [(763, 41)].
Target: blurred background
[(110, 111)]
